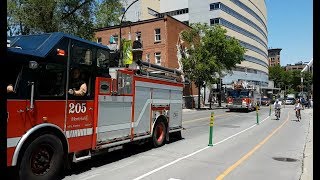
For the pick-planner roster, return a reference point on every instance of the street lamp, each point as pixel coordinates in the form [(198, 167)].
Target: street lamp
[(120, 59)]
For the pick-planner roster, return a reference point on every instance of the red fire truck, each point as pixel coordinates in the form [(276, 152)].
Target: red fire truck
[(243, 97), (48, 127)]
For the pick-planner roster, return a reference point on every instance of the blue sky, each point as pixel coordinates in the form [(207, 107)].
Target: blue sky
[(290, 27)]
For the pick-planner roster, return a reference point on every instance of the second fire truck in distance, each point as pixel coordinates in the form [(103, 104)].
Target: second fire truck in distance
[(243, 97)]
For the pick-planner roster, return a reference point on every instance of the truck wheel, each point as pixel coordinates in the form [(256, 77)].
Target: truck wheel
[(159, 134), (43, 159)]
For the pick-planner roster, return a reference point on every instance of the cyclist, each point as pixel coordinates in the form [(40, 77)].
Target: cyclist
[(297, 108), (277, 106)]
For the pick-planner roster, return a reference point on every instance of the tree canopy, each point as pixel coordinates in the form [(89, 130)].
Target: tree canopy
[(108, 13), (209, 53), (290, 80), (77, 17)]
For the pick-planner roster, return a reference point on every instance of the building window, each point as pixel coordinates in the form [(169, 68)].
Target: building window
[(157, 35), (114, 39), (99, 40), (138, 36), (214, 6), (148, 57), (242, 31), (214, 21), (157, 56)]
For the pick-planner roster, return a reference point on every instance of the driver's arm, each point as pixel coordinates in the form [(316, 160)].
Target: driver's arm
[(82, 90)]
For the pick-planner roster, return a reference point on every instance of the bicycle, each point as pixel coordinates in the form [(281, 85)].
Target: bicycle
[(298, 114), (277, 113)]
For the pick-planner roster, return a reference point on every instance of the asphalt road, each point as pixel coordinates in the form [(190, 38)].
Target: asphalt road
[(241, 150)]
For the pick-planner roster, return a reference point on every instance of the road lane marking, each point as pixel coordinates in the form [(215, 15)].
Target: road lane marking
[(199, 119), (232, 167), (89, 177), (196, 152)]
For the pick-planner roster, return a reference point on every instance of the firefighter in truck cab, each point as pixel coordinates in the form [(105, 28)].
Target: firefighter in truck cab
[(79, 87)]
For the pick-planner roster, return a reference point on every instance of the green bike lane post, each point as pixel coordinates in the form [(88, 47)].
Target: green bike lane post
[(211, 129)]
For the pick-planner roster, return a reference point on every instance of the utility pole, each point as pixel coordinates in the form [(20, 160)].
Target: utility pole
[(220, 82), (120, 39)]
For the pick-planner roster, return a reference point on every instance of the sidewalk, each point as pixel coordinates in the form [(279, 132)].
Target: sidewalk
[(307, 171), (207, 107)]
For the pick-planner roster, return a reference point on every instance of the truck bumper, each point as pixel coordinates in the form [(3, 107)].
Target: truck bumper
[(237, 106)]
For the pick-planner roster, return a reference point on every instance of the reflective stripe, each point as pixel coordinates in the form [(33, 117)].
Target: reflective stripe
[(159, 86), (165, 101), (13, 142), (79, 132), (114, 127)]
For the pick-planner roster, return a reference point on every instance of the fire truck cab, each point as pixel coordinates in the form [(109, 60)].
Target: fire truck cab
[(243, 97), (49, 127)]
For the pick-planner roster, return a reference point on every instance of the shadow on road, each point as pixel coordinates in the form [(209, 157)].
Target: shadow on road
[(101, 159), (275, 119), (296, 120), (240, 111), (111, 157)]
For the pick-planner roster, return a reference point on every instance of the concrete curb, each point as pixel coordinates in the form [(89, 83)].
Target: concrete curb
[(307, 171)]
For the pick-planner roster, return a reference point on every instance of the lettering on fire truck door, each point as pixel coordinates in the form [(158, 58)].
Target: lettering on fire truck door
[(79, 124)]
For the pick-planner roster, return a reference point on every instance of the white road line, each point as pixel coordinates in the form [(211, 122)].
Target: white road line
[(89, 177), (179, 159)]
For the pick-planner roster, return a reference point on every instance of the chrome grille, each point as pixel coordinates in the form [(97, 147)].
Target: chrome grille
[(237, 101)]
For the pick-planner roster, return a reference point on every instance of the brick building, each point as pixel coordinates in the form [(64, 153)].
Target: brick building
[(274, 56), (297, 66), (158, 36)]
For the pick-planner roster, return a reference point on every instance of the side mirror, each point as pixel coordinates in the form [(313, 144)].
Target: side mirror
[(105, 87)]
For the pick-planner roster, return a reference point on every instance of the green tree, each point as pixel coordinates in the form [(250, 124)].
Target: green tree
[(210, 53), (108, 13), (277, 74), (296, 80), (307, 81), (38, 16)]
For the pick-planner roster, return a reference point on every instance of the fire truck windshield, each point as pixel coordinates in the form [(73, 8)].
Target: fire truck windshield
[(233, 93), (244, 94), (238, 93)]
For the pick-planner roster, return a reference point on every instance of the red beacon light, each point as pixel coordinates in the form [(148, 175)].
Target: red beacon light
[(61, 52)]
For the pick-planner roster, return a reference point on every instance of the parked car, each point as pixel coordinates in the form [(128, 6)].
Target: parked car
[(290, 101), (265, 101)]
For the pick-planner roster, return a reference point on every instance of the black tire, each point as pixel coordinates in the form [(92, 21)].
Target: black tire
[(42, 159), (159, 134)]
